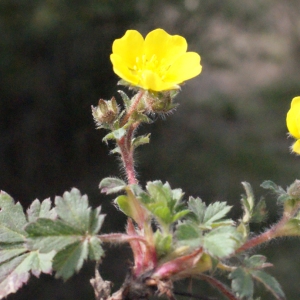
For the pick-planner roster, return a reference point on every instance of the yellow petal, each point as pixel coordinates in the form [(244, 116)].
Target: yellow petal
[(151, 81), (295, 101), (129, 47), (185, 67), (122, 70), (293, 118), (164, 46), (296, 147)]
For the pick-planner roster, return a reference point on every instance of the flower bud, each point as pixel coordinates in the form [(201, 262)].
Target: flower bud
[(106, 112), (294, 190), (161, 102)]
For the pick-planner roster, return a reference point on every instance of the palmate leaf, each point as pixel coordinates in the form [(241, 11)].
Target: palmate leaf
[(163, 202), (72, 236), (209, 216), (42, 209), (252, 269), (242, 283), (189, 234), (222, 241), (269, 282), (16, 272), (12, 220), (282, 195), (111, 185), (16, 260)]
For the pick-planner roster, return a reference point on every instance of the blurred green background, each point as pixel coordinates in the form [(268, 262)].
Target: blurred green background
[(229, 127)]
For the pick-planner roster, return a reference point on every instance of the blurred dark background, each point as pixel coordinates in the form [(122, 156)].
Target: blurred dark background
[(229, 127)]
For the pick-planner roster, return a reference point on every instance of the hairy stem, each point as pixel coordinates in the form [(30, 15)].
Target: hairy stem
[(124, 143), (127, 158), (273, 232), (135, 101)]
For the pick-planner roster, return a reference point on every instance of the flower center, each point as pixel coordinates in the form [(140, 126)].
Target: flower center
[(143, 63)]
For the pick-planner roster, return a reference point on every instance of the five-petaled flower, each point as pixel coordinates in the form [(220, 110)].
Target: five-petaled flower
[(293, 123), (159, 62)]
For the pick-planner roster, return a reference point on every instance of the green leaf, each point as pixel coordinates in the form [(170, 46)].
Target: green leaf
[(270, 185), (70, 259), (15, 272), (73, 209), (96, 220), (259, 212), (111, 185), (163, 243), (164, 203), (222, 241), (198, 207), (41, 210), (269, 282), (248, 202), (210, 216), (124, 205), (282, 195), (12, 220), (188, 234), (140, 140), (95, 249), (249, 194), (8, 251), (72, 236), (215, 212), (255, 261), (115, 135), (47, 235), (242, 283)]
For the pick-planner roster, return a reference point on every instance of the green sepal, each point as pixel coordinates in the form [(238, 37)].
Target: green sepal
[(125, 98), (290, 228), (140, 117), (111, 185)]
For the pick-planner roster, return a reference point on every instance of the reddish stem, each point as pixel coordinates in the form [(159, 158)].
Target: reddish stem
[(133, 107), (273, 232), (124, 143), (127, 158), (219, 285), (122, 238)]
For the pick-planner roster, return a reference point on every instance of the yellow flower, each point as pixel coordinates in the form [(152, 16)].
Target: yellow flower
[(293, 123), (158, 63)]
